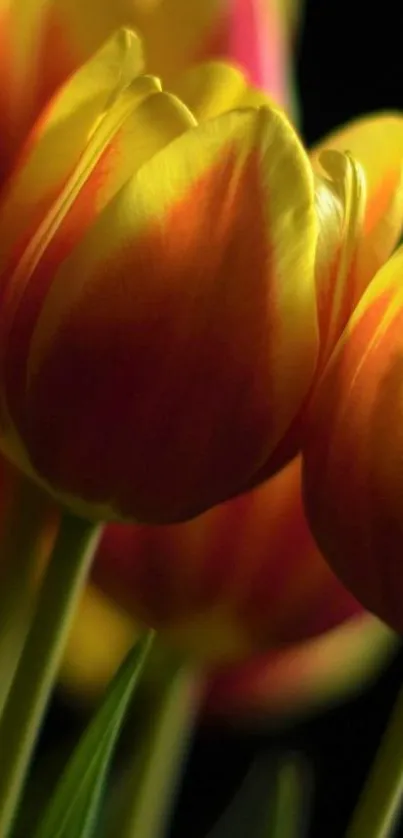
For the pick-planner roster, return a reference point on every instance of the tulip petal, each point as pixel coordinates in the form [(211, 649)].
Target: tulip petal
[(252, 35), (136, 128), (303, 678), (353, 455), (243, 576), (214, 87), (340, 203), (40, 54), (55, 146), (376, 142), (195, 291), (254, 25), (45, 41), (94, 150), (173, 30)]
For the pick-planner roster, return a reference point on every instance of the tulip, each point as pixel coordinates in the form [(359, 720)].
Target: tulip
[(243, 576), (353, 456), (144, 375), (303, 678), (295, 680), (108, 293)]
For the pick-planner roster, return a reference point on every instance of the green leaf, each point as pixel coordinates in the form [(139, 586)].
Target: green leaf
[(159, 761), (73, 810), (271, 802)]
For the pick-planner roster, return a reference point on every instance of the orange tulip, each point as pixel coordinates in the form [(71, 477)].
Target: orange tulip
[(353, 457), (244, 576)]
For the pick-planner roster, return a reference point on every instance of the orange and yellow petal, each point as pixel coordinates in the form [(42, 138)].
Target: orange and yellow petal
[(177, 317), (94, 149), (44, 42), (340, 204), (98, 131), (376, 143), (213, 87), (41, 50), (99, 96), (354, 452)]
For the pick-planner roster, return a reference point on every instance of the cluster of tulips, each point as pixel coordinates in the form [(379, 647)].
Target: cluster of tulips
[(201, 356)]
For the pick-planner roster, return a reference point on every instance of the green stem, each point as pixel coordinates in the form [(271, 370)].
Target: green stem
[(155, 775), (381, 799), (21, 549), (287, 820), (38, 665)]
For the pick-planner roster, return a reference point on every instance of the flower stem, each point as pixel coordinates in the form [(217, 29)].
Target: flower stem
[(291, 799), (381, 799), (22, 547), (38, 665)]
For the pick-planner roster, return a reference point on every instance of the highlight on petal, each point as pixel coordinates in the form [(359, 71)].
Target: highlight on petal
[(214, 87), (175, 336), (376, 143), (354, 451), (340, 204), (305, 678)]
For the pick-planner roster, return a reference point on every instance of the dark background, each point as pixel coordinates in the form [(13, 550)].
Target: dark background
[(350, 61)]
